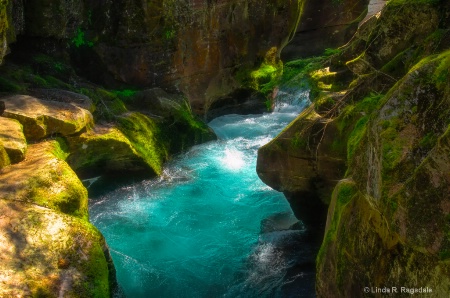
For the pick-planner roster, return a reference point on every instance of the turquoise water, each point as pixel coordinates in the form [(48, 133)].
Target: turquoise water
[(209, 227)]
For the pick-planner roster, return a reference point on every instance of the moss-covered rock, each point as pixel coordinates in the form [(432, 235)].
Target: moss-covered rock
[(45, 179), (14, 142), (45, 253), (4, 158), (41, 118), (398, 203), (105, 150)]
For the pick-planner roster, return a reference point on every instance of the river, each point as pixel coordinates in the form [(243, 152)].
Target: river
[(208, 227)]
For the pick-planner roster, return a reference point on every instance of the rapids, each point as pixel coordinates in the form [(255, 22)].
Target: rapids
[(208, 227)]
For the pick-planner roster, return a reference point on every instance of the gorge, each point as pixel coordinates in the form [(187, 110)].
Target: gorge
[(109, 100)]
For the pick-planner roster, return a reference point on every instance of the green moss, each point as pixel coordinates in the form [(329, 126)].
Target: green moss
[(344, 192), (356, 136), (145, 136), (7, 85), (4, 159)]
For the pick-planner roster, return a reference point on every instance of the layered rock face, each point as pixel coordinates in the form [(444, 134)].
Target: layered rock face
[(380, 114)]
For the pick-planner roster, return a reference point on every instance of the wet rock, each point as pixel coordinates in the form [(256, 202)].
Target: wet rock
[(42, 118), (14, 142)]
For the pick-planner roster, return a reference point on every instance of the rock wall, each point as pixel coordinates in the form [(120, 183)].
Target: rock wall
[(194, 47), (379, 123), (324, 24)]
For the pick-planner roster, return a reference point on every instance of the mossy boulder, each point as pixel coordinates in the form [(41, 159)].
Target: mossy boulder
[(106, 150), (42, 118), (4, 158), (14, 142), (45, 253), (46, 180)]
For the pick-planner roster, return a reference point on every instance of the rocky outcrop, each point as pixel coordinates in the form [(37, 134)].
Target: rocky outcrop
[(14, 142), (42, 118), (324, 24), (381, 109), (396, 196)]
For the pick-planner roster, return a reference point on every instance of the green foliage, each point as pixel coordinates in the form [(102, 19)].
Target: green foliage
[(80, 40)]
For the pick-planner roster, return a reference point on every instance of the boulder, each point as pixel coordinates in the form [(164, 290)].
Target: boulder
[(14, 142), (43, 118), (45, 253), (105, 150), (46, 180), (4, 158)]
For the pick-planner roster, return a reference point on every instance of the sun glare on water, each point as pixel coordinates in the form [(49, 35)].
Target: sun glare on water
[(233, 159)]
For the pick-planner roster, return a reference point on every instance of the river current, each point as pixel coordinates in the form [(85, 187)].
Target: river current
[(208, 227)]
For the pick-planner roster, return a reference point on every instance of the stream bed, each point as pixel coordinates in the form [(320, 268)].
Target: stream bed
[(208, 227)]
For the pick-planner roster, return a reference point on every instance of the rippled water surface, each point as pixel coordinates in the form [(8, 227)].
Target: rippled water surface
[(209, 227)]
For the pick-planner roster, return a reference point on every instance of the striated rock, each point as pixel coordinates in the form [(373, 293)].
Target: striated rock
[(324, 24), (45, 179), (42, 118), (14, 142), (48, 253)]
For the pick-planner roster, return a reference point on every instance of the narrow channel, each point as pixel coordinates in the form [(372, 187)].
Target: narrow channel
[(208, 227)]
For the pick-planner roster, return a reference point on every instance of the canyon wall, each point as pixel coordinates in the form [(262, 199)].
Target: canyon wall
[(371, 154)]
